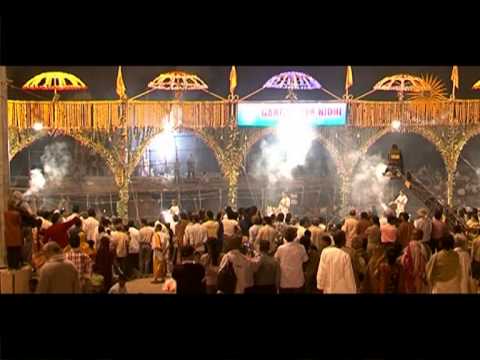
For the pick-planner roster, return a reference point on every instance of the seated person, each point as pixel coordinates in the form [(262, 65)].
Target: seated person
[(395, 162)]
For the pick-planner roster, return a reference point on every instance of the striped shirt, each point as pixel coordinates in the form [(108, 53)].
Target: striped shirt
[(81, 261)]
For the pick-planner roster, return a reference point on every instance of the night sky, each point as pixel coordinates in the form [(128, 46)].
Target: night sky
[(101, 80)]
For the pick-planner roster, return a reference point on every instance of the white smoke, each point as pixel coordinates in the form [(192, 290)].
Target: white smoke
[(37, 182), (369, 183), (293, 140), (56, 160)]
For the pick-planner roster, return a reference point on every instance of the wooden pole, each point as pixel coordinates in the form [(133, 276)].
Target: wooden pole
[(5, 166)]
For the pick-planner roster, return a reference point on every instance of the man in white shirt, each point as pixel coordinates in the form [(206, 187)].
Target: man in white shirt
[(145, 254), (196, 235), (230, 224), (350, 227), (120, 241), (90, 227), (284, 205), (174, 209), (335, 271), (291, 257), (133, 247), (244, 267), (401, 202)]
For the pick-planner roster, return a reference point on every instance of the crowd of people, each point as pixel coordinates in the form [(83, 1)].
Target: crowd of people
[(245, 252)]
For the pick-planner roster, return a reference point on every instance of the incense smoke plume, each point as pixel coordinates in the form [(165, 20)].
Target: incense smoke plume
[(56, 160), (369, 184)]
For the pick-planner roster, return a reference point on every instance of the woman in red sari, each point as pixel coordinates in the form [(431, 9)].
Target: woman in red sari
[(104, 262)]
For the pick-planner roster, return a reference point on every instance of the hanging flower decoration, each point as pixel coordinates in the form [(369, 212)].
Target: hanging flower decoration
[(55, 81), (292, 80), (178, 81)]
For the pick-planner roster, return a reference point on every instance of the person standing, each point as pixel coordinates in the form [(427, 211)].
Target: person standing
[(316, 232), (90, 226), (230, 224), (120, 243), (160, 251), (196, 235), (133, 248), (174, 209), (58, 232), (266, 233), (180, 230), (373, 235), (189, 274), (190, 167), (243, 266), (82, 262), (57, 276), (311, 266), (443, 269), (267, 275), (291, 257), (439, 229), (424, 223), (414, 260), (362, 225), (389, 231), (284, 205), (13, 236), (335, 271), (254, 229), (389, 273), (465, 264), (405, 230), (211, 263), (104, 262), (211, 226), (350, 227), (145, 255)]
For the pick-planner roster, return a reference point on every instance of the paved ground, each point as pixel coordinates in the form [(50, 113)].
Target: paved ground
[(144, 286)]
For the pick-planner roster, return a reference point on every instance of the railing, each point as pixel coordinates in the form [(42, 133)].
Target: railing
[(105, 115)]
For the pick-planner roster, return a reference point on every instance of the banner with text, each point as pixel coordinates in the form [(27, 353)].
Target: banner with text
[(269, 114)]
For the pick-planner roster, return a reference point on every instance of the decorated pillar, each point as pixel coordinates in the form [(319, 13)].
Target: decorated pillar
[(122, 182), (345, 189), (450, 187), (5, 165), (122, 175)]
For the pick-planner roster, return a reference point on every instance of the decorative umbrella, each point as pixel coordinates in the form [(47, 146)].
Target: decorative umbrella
[(55, 81), (402, 83), (292, 80)]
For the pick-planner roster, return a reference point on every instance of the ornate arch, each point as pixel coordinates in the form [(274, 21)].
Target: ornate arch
[(139, 151), (468, 135), (427, 133), (31, 137)]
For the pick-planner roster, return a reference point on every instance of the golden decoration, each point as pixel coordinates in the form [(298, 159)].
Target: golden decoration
[(177, 81), (55, 81), (476, 86), (401, 83), (435, 91)]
